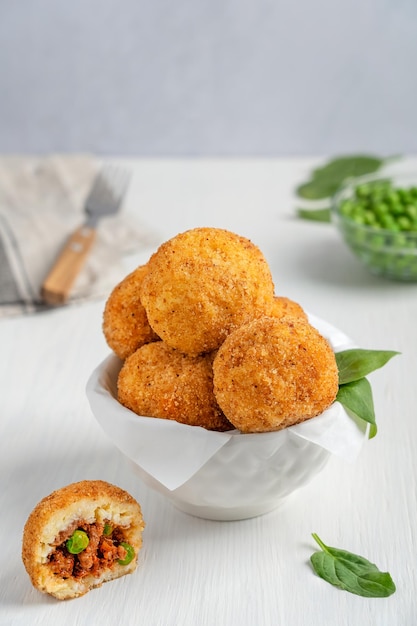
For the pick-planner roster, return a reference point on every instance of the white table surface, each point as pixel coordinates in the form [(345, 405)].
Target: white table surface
[(194, 572)]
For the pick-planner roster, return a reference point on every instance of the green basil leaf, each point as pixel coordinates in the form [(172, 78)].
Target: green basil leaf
[(356, 363), (357, 398), (344, 167), (377, 584), (351, 572), (315, 215), (318, 189), (327, 179)]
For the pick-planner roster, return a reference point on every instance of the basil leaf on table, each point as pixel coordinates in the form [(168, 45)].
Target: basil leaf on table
[(318, 189), (315, 215), (356, 363), (351, 572), (356, 397), (326, 180), (343, 167)]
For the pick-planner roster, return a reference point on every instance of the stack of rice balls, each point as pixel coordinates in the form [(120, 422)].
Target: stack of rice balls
[(205, 341)]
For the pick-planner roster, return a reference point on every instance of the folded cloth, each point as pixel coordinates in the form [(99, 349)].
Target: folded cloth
[(42, 201)]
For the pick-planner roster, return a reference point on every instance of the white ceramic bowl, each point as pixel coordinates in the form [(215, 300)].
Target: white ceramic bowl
[(223, 476)]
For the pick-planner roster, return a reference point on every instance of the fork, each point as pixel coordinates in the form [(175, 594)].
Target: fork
[(105, 198)]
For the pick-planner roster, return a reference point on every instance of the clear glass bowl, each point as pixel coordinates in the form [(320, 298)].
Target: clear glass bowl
[(384, 252)]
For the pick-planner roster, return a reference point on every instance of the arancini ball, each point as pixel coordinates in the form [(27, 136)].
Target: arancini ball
[(201, 285), (125, 325), (159, 381), (271, 373), (285, 307)]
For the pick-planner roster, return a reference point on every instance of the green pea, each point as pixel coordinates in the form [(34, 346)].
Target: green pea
[(398, 240), (392, 197), (377, 241), (358, 218), (363, 191), (396, 208), (130, 553), (404, 222), (346, 207), (77, 542), (370, 218), (381, 209), (405, 196), (388, 221), (107, 530), (411, 211)]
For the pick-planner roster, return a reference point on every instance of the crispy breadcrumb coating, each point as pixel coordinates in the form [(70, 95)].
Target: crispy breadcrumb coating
[(284, 307), (159, 381), (125, 325), (271, 373), (201, 285)]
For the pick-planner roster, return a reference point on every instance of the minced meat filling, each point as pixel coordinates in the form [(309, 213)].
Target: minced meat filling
[(102, 551)]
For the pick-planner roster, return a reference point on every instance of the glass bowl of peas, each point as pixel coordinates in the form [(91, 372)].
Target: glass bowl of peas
[(377, 218)]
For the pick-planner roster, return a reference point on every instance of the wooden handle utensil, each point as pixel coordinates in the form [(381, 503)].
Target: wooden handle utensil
[(60, 280)]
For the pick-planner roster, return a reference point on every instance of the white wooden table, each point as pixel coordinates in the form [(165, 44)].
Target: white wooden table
[(194, 572)]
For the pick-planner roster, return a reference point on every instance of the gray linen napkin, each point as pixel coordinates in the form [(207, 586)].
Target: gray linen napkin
[(41, 203)]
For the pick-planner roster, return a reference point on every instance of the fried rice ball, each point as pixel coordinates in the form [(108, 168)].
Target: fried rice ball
[(202, 284), (125, 325), (284, 307), (89, 506), (271, 373), (159, 381)]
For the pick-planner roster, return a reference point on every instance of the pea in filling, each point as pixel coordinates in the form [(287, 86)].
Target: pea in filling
[(87, 549)]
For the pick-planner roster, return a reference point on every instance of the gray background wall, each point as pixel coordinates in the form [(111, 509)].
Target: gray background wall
[(208, 77)]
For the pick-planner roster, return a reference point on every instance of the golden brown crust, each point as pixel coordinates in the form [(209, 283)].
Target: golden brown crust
[(202, 284), (271, 373), (92, 501), (159, 381), (125, 324), (285, 307)]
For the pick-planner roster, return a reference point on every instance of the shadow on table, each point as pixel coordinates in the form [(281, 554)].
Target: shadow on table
[(22, 593), (327, 261)]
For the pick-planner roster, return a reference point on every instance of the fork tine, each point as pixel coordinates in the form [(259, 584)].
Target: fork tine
[(117, 175), (107, 192), (111, 180)]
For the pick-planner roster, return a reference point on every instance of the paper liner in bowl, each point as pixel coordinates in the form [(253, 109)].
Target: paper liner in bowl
[(224, 475)]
